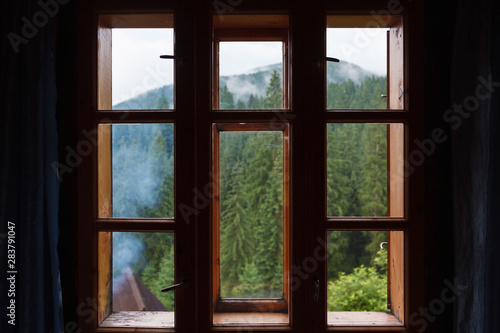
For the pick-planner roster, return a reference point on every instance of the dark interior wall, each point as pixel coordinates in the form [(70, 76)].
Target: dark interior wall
[(439, 29), (439, 24)]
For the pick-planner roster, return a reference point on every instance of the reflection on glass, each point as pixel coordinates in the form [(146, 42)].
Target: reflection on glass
[(250, 75), (143, 170), (359, 80), (251, 214), (357, 271), (143, 264), (140, 79), (356, 169)]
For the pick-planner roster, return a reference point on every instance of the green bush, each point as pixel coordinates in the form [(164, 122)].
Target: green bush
[(363, 290)]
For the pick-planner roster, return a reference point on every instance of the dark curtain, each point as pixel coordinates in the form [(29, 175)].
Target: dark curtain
[(28, 184), (476, 150)]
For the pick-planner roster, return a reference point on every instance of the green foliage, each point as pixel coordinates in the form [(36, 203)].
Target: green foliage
[(251, 252), (226, 100), (356, 169), (162, 103), (159, 271), (362, 290), (366, 95), (274, 93)]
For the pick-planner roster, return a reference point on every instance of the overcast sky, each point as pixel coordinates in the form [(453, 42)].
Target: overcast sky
[(138, 68)]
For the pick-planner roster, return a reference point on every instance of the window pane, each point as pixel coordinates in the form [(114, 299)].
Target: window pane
[(250, 75), (357, 170), (142, 265), (357, 271), (142, 170), (251, 214), (140, 79), (359, 80)]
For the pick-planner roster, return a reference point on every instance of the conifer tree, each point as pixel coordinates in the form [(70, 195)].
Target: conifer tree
[(226, 100), (373, 191), (274, 93), (234, 230)]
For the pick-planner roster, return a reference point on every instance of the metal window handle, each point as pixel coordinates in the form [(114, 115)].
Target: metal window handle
[(316, 291), (175, 286)]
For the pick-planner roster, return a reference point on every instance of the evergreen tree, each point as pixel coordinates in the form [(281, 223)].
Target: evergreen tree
[(373, 190), (234, 230), (226, 100), (162, 103), (274, 93)]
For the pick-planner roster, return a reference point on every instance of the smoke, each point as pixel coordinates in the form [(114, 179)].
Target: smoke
[(142, 158), (127, 250)]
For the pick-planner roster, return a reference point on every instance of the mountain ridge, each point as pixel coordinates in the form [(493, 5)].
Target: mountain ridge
[(241, 86)]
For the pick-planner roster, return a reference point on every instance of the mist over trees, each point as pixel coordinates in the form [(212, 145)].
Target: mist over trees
[(251, 193)]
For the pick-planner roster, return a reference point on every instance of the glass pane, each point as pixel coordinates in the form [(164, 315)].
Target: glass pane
[(142, 170), (251, 214), (357, 169), (250, 75), (357, 271), (143, 264), (140, 79), (359, 80)]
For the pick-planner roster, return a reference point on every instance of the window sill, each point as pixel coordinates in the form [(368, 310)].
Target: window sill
[(139, 319), (250, 319), (363, 319)]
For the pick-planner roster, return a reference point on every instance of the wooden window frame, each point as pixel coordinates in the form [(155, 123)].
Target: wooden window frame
[(196, 115), (397, 222), (249, 305), (104, 223)]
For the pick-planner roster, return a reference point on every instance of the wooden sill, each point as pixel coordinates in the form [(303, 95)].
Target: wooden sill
[(139, 319), (363, 319), (250, 319)]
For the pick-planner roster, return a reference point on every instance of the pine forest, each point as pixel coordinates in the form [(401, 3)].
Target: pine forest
[(251, 199)]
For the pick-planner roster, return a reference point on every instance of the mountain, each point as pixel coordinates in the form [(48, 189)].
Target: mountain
[(241, 86)]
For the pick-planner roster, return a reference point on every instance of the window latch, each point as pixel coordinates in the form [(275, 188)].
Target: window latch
[(332, 59), (183, 283)]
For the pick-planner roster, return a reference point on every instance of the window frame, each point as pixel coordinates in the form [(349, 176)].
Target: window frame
[(249, 305), (250, 28), (194, 115)]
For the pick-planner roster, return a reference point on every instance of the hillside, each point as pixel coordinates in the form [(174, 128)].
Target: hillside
[(242, 86)]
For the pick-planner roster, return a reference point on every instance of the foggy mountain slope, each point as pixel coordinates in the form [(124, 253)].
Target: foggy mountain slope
[(243, 85)]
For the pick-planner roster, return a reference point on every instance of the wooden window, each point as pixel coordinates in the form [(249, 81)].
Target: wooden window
[(135, 225), (304, 138), (366, 204), (250, 220), (242, 284)]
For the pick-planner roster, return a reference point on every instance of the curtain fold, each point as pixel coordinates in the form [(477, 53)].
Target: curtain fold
[(29, 187), (475, 146)]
